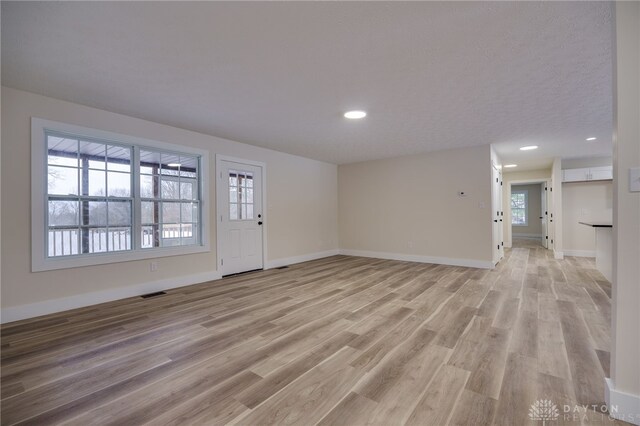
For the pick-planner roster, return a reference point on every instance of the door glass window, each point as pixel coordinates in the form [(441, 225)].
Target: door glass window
[(240, 195)]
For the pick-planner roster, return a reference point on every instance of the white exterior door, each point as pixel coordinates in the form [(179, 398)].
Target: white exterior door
[(240, 217)]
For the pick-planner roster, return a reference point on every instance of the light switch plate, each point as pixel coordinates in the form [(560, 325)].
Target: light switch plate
[(634, 179)]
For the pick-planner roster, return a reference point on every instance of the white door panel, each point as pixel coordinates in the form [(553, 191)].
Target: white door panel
[(234, 240), (240, 217), (497, 215), (250, 242), (544, 214)]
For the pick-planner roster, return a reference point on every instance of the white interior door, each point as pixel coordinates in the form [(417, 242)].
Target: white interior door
[(240, 217), (501, 218), (544, 214), (551, 230), (496, 215)]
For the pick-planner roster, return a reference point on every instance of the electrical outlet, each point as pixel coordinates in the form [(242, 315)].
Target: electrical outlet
[(153, 266)]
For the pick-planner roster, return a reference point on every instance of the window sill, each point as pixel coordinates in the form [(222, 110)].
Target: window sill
[(78, 261)]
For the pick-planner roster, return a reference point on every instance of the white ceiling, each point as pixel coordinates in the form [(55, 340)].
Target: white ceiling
[(280, 75)]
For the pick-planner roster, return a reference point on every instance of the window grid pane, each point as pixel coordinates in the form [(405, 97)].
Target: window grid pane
[(167, 182), (519, 208), (78, 190), (91, 202), (240, 195)]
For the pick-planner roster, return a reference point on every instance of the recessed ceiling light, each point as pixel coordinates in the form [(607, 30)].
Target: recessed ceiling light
[(529, 148), (591, 138), (510, 166), (354, 115), (174, 164)]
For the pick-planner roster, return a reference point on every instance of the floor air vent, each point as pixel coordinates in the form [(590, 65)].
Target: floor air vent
[(157, 293)]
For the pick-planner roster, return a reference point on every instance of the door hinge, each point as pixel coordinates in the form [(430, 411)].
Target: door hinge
[(503, 244), (498, 246), (221, 262), (551, 241), (546, 237), (496, 180)]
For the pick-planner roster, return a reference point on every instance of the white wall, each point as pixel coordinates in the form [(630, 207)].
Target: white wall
[(534, 223), (584, 202), (623, 389), (301, 214), (579, 163), (556, 208), (408, 207)]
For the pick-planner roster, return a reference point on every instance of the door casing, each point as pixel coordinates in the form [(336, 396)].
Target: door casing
[(507, 220)]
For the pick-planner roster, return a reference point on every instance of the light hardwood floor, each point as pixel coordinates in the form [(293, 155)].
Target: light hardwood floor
[(337, 341)]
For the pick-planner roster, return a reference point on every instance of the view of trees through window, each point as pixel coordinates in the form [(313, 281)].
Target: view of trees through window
[(519, 208), (91, 201)]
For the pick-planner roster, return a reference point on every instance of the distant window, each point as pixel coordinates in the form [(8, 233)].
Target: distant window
[(519, 208)]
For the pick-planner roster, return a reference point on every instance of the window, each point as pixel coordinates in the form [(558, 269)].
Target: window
[(89, 200), (519, 208), (169, 199), (107, 198), (240, 195)]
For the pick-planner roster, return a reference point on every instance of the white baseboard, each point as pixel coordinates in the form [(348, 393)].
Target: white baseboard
[(471, 263), (580, 253), (622, 405), (270, 264), (536, 236), (558, 255), (15, 313)]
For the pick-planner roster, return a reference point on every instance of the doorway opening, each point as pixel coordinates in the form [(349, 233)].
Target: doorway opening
[(529, 214)]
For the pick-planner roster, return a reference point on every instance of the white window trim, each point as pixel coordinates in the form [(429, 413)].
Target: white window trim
[(526, 207), (39, 259)]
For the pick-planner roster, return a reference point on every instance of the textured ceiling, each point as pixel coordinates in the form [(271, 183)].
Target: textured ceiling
[(279, 75)]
